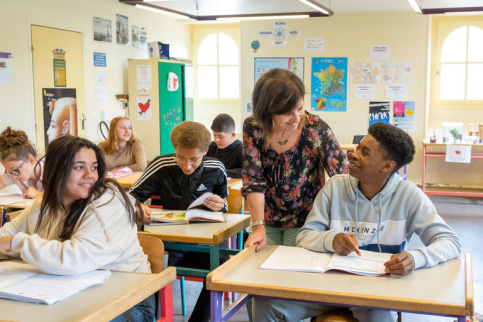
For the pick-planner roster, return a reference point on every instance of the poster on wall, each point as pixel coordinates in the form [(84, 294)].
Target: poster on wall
[(396, 72), (404, 115), (144, 109), (6, 74), (60, 79), (122, 30), (365, 72), (139, 37), (102, 29), (60, 112), (293, 64), (329, 84), (379, 112)]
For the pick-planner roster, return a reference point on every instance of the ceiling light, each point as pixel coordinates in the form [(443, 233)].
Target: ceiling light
[(316, 6), (415, 6), (165, 12), (261, 17)]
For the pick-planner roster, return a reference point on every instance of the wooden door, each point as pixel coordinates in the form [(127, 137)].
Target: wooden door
[(58, 83)]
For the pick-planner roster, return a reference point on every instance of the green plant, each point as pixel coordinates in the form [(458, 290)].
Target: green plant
[(455, 134)]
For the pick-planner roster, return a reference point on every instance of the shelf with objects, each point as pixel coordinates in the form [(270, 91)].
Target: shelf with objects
[(474, 155)]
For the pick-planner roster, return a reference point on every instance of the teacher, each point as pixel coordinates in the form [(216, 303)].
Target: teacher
[(285, 152)]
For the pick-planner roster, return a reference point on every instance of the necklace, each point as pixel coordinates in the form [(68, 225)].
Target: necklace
[(282, 142)]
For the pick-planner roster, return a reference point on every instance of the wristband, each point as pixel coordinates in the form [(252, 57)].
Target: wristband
[(258, 222)]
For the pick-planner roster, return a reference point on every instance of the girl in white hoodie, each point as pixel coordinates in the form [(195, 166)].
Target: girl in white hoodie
[(82, 223)]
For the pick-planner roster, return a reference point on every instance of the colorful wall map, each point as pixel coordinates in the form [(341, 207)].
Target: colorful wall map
[(329, 84), (293, 64)]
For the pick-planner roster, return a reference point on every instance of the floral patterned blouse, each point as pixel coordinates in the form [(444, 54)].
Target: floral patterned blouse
[(290, 180)]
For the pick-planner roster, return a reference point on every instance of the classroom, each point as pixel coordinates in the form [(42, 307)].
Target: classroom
[(106, 72)]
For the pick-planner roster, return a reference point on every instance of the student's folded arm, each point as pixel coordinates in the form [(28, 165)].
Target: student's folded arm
[(97, 243), (27, 218), (147, 185), (140, 162), (315, 234), (441, 242), (221, 189)]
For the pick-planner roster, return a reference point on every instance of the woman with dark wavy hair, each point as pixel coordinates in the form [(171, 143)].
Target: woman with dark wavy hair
[(82, 223)]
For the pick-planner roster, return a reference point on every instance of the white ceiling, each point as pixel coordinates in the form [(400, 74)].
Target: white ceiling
[(241, 7)]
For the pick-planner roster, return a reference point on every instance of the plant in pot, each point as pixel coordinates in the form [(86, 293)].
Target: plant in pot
[(455, 134)]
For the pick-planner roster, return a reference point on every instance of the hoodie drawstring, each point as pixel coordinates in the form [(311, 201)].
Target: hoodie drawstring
[(357, 219), (379, 223)]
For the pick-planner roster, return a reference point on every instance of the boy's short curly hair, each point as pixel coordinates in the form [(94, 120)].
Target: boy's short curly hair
[(395, 143), (191, 135)]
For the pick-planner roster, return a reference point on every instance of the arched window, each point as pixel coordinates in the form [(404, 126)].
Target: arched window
[(218, 70), (457, 73)]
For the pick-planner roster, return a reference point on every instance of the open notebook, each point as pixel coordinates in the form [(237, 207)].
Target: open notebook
[(195, 212), (14, 200), (23, 282), (299, 259)]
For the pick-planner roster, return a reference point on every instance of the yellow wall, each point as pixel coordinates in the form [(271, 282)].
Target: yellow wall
[(349, 36), (16, 99)]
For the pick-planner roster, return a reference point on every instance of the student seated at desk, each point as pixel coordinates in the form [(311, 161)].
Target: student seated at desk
[(225, 147), (179, 179), (82, 223), (371, 208), (19, 158), (122, 148)]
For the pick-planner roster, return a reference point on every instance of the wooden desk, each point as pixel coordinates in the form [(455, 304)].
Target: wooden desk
[(426, 154), (127, 181), (446, 289), (210, 235), (103, 302)]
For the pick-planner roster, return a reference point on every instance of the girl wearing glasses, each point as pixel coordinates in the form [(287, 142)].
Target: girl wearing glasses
[(122, 148), (83, 222), (19, 158)]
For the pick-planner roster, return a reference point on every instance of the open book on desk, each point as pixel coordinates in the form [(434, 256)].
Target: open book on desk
[(23, 282), (14, 200), (196, 212), (299, 259), (119, 173)]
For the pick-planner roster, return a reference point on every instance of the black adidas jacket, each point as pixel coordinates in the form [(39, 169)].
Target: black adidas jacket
[(231, 156), (165, 178)]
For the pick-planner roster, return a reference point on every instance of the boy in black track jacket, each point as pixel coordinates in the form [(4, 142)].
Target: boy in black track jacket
[(179, 179)]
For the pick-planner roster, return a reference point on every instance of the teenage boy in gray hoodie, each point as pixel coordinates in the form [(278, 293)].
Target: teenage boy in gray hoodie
[(373, 209)]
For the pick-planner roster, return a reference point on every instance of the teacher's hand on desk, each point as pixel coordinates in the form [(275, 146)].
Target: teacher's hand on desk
[(259, 237), (400, 264), (344, 244), (215, 203), (6, 243)]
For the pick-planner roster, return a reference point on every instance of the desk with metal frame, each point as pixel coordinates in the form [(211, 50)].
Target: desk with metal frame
[(201, 237), (445, 290), (103, 302)]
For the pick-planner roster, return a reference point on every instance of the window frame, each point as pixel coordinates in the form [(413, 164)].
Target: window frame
[(199, 34), (441, 29)]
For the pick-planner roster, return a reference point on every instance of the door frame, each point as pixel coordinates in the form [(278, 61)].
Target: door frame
[(31, 23)]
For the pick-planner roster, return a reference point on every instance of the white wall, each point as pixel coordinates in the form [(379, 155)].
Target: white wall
[(349, 35), (16, 99)]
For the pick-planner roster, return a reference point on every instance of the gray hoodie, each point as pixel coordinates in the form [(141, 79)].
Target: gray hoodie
[(385, 223)]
